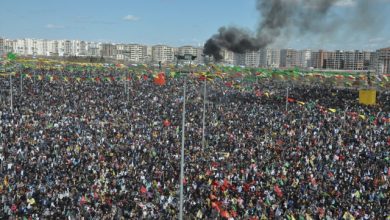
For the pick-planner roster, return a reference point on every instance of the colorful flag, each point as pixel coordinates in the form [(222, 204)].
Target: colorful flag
[(11, 56), (143, 190), (278, 191), (159, 79), (290, 100)]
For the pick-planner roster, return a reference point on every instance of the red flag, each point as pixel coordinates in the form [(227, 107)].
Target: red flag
[(216, 205), (229, 84), (290, 100), (143, 189), (160, 79), (278, 191), (225, 185), (82, 200), (202, 78), (225, 214)]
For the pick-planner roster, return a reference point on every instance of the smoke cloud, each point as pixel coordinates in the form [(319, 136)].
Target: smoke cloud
[(276, 17)]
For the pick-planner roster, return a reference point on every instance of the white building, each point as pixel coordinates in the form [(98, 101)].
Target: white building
[(163, 53), (270, 58), (304, 58)]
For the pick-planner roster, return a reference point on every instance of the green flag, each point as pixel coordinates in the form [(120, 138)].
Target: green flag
[(11, 56)]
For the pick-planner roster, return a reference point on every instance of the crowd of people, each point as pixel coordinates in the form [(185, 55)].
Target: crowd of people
[(111, 150)]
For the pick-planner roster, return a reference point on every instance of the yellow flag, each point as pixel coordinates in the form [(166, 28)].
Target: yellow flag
[(362, 116), (301, 103), (332, 110), (6, 181)]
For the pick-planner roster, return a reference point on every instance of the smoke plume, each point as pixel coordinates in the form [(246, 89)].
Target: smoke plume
[(276, 17)]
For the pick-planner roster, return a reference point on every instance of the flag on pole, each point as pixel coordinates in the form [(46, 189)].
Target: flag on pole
[(11, 56)]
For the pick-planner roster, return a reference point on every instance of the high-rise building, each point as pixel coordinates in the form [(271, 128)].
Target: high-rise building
[(108, 50), (288, 58), (228, 57), (317, 59), (269, 58), (163, 53), (2, 46), (195, 51), (93, 49), (383, 61), (252, 58), (304, 58), (239, 59), (131, 52), (341, 60)]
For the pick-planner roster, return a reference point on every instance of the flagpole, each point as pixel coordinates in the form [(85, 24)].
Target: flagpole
[(204, 112), (127, 87), (21, 83), (182, 150), (10, 88), (287, 100)]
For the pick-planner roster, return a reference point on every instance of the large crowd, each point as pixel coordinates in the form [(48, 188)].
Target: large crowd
[(94, 150)]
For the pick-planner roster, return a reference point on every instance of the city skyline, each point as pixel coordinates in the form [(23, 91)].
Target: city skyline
[(267, 57), (174, 23)]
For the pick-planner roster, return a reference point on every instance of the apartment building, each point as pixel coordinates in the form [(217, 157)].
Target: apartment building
[(304, 58), (288, 58), (194, 51), (108, 50), (2, 46), (131, 52), (269, 58), (163, 53), (383, 61)]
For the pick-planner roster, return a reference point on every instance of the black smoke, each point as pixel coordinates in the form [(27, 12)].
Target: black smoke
[(276, 17)]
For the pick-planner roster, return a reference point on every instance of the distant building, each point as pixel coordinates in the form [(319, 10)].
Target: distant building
[(304, 58), (135, 53), (108, 50), (93, 49), (269, 58), (288, 58), (341, 60), (194, 51), (239, 59), (383, 61), (252, 58), (318, 58), (163, 53), (2, 46)]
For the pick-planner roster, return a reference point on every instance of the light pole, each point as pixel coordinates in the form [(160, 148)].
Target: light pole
[(204, 112), (10, 88), (287, 100), (182, 150), (185, 57)]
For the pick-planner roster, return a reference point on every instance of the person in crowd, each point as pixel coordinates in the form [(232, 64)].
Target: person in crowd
[(83, 149)]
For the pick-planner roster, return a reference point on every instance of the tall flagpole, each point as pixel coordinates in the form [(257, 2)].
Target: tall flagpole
[(287, 100), (21, 82), (182, 150), (204, 112), (10, 88)]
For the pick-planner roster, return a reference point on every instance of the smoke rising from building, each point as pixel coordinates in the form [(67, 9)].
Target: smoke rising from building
[(276, 17)]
